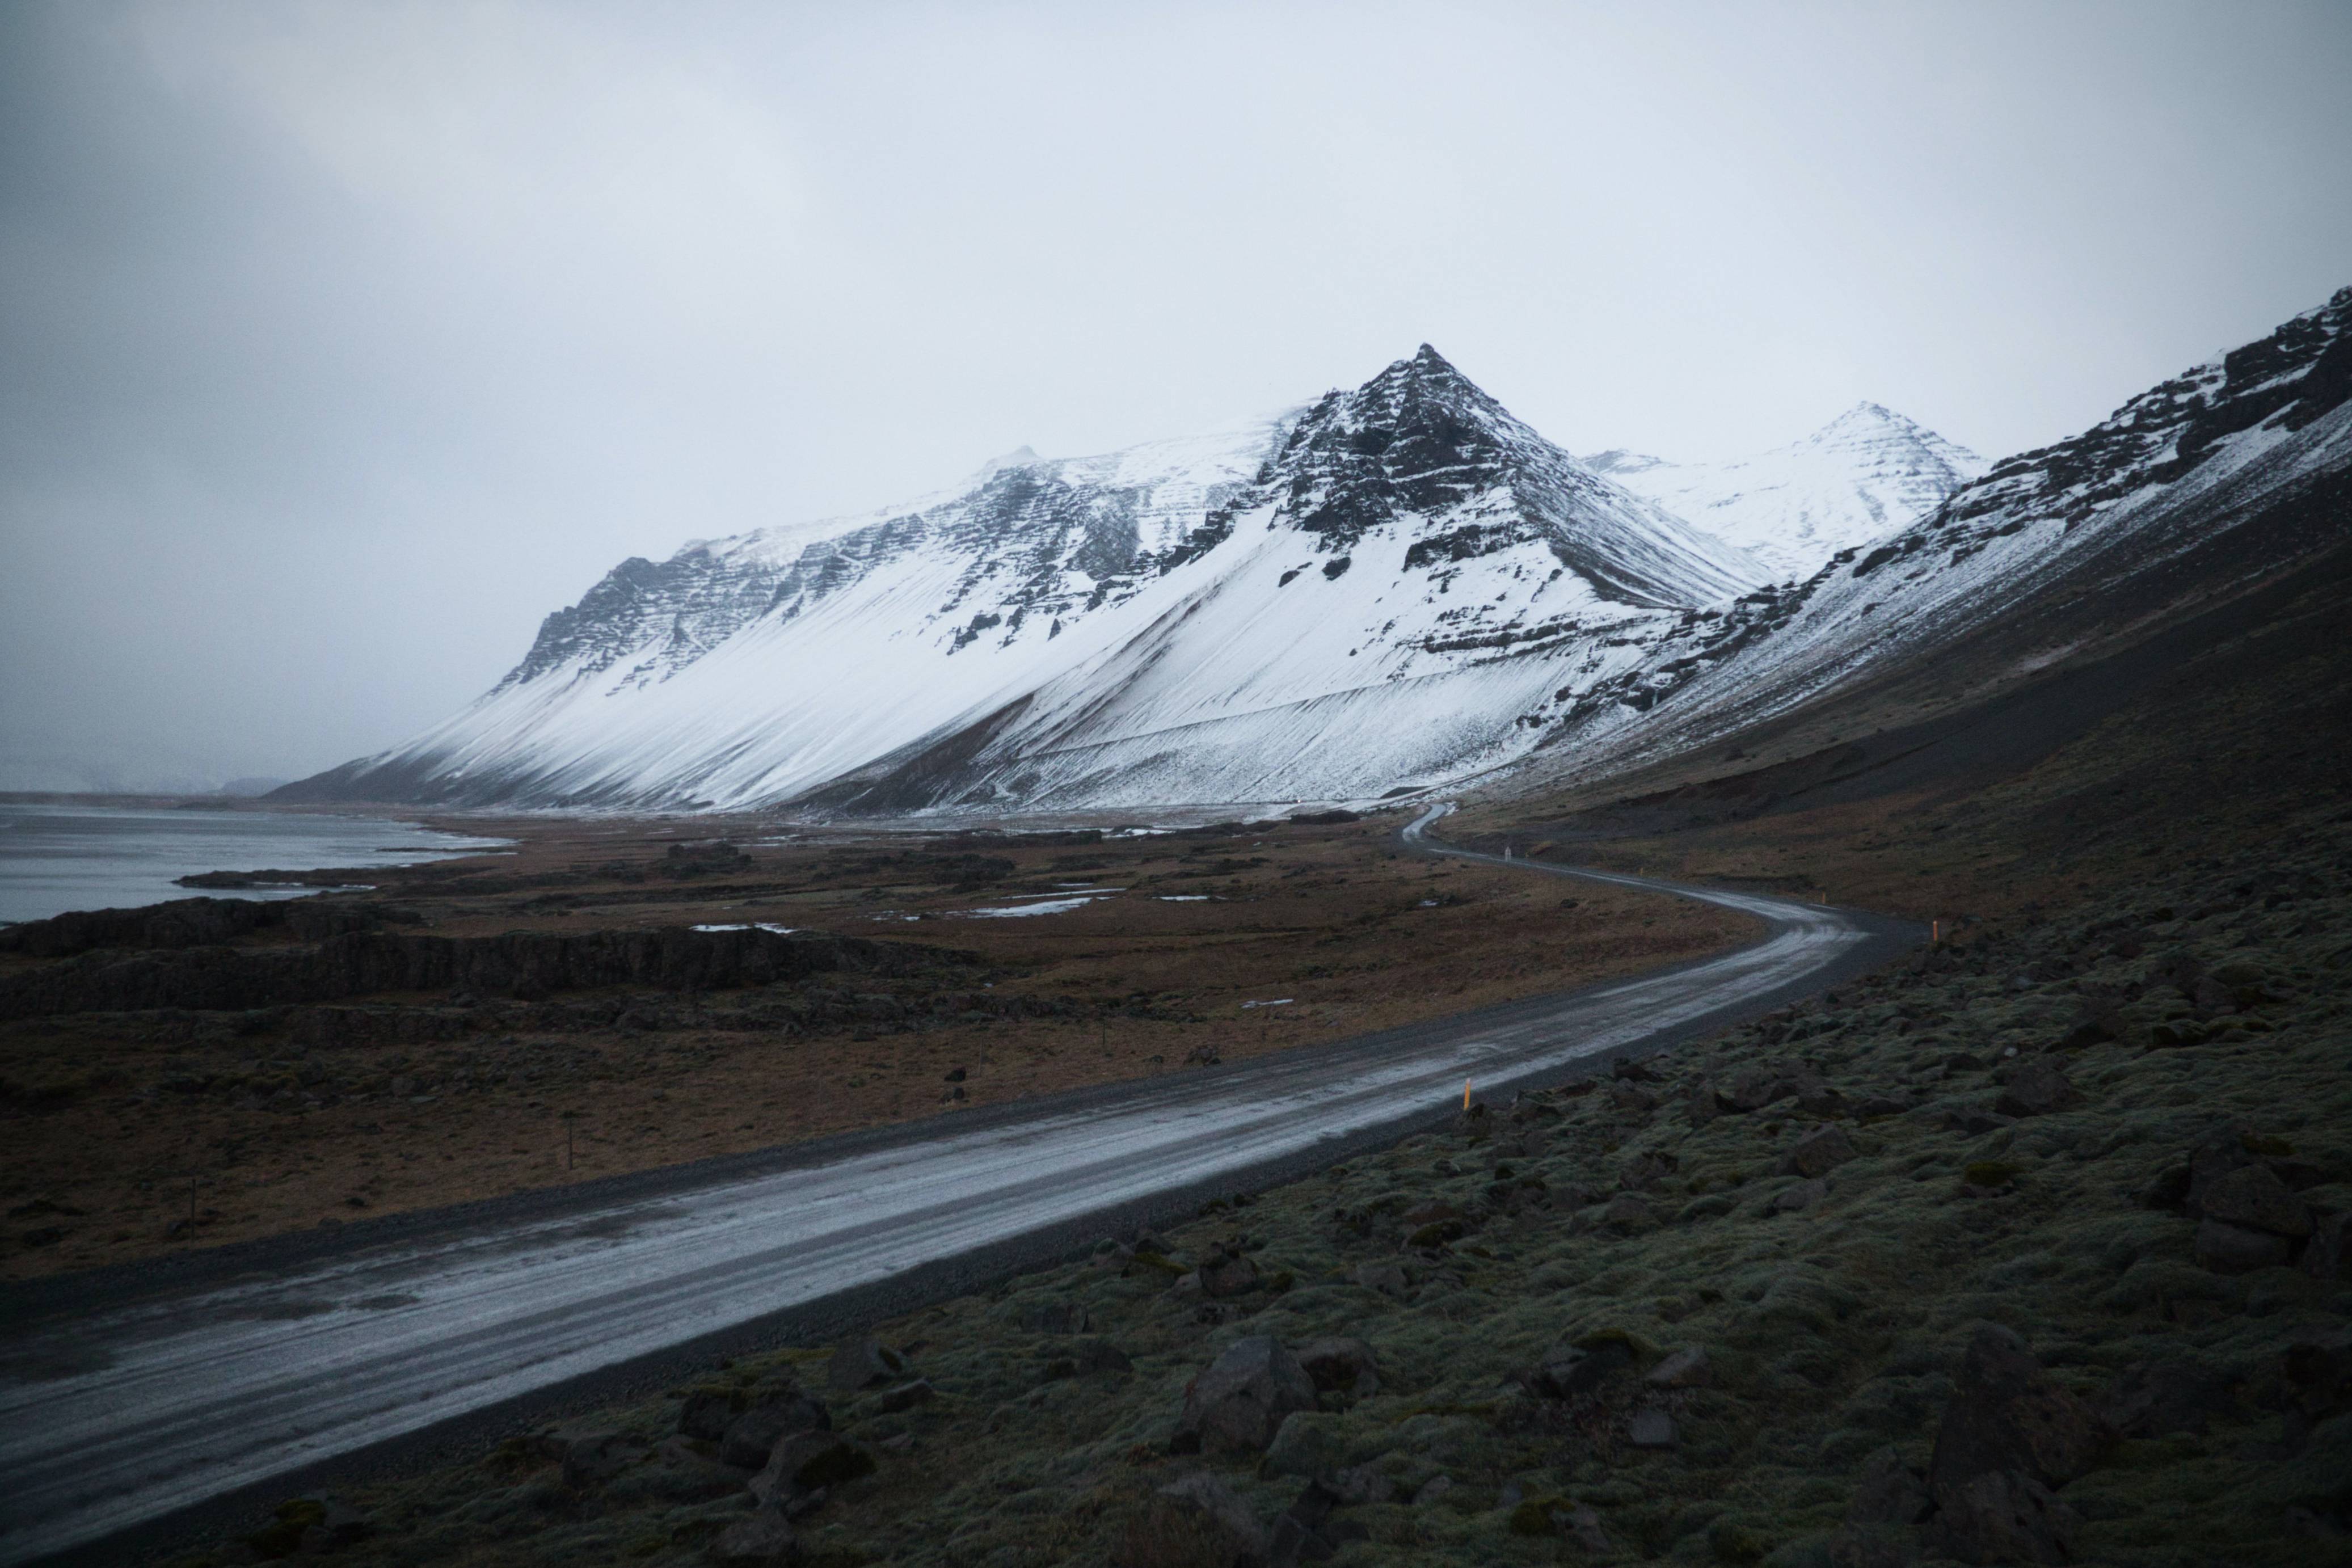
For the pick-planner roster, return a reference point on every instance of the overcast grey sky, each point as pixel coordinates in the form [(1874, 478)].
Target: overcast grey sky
[(340, 343)]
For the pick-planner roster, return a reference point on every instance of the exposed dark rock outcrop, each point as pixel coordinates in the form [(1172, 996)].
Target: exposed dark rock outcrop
[(523, 963)]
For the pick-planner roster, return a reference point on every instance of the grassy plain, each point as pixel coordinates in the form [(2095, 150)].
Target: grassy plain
[(275, 1118)]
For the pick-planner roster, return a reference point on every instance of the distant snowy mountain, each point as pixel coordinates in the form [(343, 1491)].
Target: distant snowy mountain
[(1363, 594), (1400, 587), (2190, 493), (1856, 479)]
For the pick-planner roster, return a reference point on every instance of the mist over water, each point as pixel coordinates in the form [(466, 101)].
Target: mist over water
[(58, 858)]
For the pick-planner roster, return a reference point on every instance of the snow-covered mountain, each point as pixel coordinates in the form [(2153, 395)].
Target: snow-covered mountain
[(1854, 481), (1401, 586), (2190, 493), (1366, 594)]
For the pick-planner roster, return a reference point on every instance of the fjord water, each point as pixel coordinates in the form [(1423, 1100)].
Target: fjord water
[(58, 858)]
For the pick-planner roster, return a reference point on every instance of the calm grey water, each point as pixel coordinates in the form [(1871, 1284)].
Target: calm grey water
[(59, 858)]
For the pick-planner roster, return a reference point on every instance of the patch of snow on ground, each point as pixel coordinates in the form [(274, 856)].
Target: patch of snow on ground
[(1014, 911)]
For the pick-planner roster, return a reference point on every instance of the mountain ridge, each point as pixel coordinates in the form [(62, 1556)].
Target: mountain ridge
[(1395, 588)]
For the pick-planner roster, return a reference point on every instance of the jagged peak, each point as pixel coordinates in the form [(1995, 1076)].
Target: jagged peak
[(1622, 460), (1869, 417), (1019, 458)]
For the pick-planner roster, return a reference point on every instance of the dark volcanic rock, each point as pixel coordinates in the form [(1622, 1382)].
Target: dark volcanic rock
[(1345, 1364), (194, 922), (591, 1458), (2331, 1248), (706, 1413), (2009, 1438), (1889, 1492), (2037, 1089), (515, 963), (2156, 1399), (1197, 1520), (2253, 1198), (1817, 1152), (1567, 1370), (804, 1463), (2227, 1249), (1227, 1274), (749, 1438), (862, 1363), (763, 1539), (2009, 1413), (1239, 1402)]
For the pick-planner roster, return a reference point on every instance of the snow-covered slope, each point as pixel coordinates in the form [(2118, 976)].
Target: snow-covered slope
[(1361, 594), (1856, 479), (2191, 491), (1401, 586)]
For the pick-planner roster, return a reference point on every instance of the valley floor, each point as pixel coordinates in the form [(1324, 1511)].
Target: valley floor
[(2032, 1249), (142, 1134)]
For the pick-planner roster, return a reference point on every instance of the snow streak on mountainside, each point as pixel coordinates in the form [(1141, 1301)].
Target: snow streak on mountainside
[(2191, 491), (1858, 479), (1368, 593)]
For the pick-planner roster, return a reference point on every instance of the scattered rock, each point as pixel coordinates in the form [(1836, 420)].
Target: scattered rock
[(2156, 1399), (2318, 1370), (1309, 1444), (1629, 1212), (761, 1538), (1799, 1198), (2227, 1249), (1388, 1278), (1197, 1520), (1584, 1527), (2253, 1198), (1101, 1355), (805, 1462), (2010, 1434), (591, 1458), (1652, 1429), (2330, 1249), (862, 1363), (1889, 1492), (905, 1396), (1647, 1170), (706, 1413), (1345, 1365), (1296, 1541), (1754, 1091), (1567, 1370), (1226, 1275), (1360, 1484), (1239, 1403), (1631, 1100), (1056, 1318), (1683, 1368), (750, 1438), (2004, 1517), (2037, 1088), (1879, 1105), (1819, 1153)]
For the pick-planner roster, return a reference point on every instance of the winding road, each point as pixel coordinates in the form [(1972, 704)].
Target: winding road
[(236, 1380)]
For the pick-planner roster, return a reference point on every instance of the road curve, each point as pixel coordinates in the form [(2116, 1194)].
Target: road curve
[(143, 1403)]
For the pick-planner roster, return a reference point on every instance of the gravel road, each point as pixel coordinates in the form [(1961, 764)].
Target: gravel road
[(136, 1400)]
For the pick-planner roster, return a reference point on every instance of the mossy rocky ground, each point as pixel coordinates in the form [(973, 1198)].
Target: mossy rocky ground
[(2063, 1280)]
